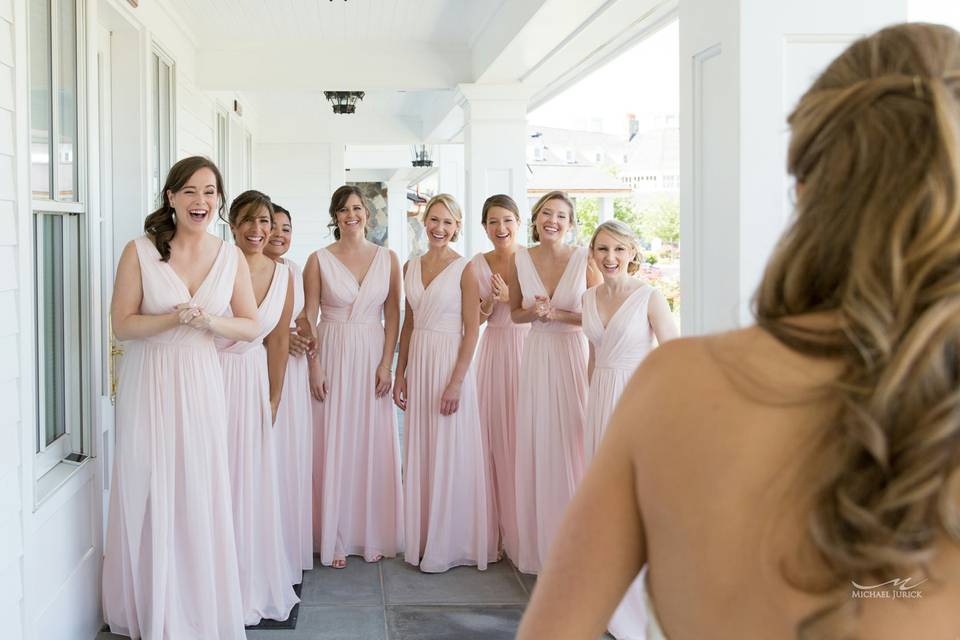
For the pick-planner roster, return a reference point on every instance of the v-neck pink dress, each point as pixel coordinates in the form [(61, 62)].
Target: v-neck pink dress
[(498, 382), (170, 563), (265, 581), (293, 433), (445, 483), (550, 410), (618, 349), (359, 506)]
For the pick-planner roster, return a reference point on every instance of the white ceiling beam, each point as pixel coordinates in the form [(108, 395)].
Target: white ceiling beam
[(331, 68)]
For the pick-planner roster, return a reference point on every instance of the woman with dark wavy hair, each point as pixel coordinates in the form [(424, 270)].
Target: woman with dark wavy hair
[(801, 478), (170, 565)]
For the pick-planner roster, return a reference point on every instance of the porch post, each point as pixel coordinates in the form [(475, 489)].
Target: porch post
[(495, 148), (397, 217), (606, 208), (743, 65)]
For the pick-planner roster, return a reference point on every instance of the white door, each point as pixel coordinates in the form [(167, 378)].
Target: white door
[(108, 265), (742, 67)]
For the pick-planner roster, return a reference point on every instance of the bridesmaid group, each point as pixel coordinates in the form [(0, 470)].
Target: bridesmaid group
[(255, 417)]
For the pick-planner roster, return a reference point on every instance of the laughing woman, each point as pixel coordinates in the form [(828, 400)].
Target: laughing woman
[(498, 365), (621, 318), (547, 284), (294, 427), (354, 285), (446, 518), (253, 374), (170, 519)]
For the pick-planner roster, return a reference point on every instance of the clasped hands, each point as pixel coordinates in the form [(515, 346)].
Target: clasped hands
[(193, 316)]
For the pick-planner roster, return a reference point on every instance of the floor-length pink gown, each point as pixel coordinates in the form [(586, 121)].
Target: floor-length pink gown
[(264, 573), (361, 495), (445, 484), (618, 350), (550, 410), (170, 566), (293, 436), (498, 375)]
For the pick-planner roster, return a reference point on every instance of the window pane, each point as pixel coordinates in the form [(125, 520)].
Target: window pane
[(155, 82), (50, 297), (165, 105), (41, 80), (67, 147)]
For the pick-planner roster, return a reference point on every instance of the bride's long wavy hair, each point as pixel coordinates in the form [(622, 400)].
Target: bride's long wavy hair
[(875, 151)]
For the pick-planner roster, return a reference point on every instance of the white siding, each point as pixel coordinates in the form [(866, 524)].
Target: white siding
[(11, 494)]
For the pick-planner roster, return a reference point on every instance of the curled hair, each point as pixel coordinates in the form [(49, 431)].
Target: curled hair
[(247, 204), (161, 224), (875, 145), (622, 233), (502, 201), (339, 200), (544, 199), (451, 205)]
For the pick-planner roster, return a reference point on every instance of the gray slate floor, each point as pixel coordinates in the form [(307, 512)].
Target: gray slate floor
[(390, 600)]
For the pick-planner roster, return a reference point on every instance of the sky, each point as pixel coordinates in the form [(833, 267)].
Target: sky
[(644, 80)]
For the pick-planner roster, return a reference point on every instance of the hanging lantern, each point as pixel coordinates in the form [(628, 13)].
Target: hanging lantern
[(344, 101), (420, 156)]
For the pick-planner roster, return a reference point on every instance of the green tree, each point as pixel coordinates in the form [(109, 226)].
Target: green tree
[(588, 217), (661, 219)]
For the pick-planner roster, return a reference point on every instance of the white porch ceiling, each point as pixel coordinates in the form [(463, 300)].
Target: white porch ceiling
[(351, 24)]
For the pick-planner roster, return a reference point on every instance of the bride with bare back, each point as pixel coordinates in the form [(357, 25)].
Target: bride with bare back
[(170, 518), (798, 478)]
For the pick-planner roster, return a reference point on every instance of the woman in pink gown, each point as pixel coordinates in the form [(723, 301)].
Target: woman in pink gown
[(253, 374), (355, 286), (621, 318), (170, 564), (498, 366), (293, 431), (445, 483), (546, 288)]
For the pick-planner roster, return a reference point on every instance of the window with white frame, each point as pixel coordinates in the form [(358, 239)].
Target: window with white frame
[(163, 152), (59, 213)]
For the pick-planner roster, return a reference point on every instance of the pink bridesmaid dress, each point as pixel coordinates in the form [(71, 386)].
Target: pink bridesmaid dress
[(550, 411), (293, 437), (264, 573), (361, 496), (170, 567), (498, 375), (618, 350), (445, 483)]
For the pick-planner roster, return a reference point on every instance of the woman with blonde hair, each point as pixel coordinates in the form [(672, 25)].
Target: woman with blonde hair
[(445, 482), (498, 365), (801, 477), (621, 318), (546, 285), (353, 285)]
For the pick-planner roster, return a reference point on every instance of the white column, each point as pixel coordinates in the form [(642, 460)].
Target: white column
[(495, 148), (397, 217), (337, 166), (606, 208), (449, 161), (743, 64)]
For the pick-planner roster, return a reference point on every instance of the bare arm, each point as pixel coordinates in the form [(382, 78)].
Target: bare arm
[(400, 381), (243, 324), (602, 527), (391, 313), (277, 344), (469, 311), (661, 319), (518, 314), (128, 323), (311, 291)]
